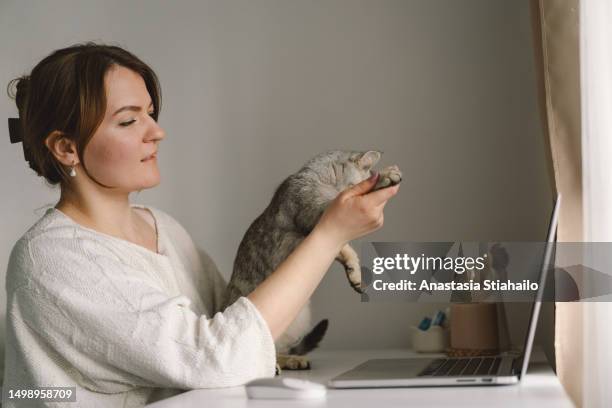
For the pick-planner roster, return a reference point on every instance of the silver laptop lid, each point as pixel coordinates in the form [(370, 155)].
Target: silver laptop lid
[(535, 308)]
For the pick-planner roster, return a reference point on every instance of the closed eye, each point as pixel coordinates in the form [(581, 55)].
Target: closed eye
[(129, 122), (339, 170), (333, 166)]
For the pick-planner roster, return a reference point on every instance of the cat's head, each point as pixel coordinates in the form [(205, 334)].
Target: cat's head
[(343, 169)]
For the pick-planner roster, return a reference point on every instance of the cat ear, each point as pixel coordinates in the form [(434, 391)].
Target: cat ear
[(368, 159)]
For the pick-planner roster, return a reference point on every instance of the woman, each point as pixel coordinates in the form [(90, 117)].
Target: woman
[(113, 298)]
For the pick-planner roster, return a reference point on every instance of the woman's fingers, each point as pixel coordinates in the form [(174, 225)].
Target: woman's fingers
[(381, 196), (363, 187)]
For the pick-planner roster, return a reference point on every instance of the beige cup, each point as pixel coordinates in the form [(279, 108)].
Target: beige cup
[(474, 326)]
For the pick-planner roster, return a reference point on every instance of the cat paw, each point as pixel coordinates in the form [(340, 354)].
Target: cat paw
[(357, 287), (293, 362), (353, 273), (389, 176)]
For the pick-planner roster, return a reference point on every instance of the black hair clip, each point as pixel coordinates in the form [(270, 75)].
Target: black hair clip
[(15, 130), (16, 136)]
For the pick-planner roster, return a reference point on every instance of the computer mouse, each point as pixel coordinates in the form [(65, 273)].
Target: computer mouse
[(284, 388)]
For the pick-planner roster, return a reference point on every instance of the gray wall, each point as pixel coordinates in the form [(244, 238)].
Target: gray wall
[(252, 89)]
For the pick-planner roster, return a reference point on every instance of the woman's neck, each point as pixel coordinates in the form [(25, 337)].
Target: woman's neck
[(109, 214)]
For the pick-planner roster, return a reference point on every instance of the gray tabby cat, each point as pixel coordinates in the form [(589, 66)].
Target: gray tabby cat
[(296, 207)]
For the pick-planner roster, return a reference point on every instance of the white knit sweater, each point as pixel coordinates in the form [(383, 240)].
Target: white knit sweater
[(123, 324)]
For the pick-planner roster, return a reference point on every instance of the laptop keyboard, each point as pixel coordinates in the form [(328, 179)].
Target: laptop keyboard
[(452, 367)]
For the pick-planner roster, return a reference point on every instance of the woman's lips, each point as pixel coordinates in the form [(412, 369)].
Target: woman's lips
[(151, 157)]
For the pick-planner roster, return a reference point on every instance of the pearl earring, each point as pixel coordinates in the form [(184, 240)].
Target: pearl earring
[(72, 171)]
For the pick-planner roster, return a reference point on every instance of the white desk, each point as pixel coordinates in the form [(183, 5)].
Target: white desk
[(539, 388)]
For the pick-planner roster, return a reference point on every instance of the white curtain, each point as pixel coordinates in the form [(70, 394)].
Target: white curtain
[(573, 49), (557, 57), (596, 102)]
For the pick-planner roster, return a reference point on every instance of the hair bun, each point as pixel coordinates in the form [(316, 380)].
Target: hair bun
[(22, 91), (18, 90)]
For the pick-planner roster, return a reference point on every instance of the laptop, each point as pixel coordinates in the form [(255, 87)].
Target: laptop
[(422, 372)]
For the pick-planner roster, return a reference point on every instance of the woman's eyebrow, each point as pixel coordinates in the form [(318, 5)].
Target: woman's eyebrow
[(130, 108)]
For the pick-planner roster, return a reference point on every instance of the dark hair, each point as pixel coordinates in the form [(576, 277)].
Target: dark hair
[(65, 92)]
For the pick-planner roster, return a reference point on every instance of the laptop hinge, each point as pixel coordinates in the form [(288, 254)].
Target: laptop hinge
[(517, 364)]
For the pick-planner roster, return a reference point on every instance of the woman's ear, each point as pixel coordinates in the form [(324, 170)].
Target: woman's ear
[(62, 148)]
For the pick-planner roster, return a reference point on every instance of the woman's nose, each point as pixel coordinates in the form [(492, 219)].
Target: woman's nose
[(156, 132)]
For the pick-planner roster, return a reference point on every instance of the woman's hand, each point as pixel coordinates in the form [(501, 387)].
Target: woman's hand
[(355, 212)]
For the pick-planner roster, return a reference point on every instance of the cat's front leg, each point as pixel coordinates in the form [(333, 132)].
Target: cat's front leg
[(349, 259)]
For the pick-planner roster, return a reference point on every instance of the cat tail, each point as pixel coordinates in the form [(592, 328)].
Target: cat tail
[(311, 340)]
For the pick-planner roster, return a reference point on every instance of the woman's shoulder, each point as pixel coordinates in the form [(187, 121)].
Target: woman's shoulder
[(53, 241), (55, 234), (52, 229), (56, 241)]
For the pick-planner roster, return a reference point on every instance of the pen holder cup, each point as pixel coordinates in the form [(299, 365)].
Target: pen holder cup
[(474, 329), (433, 340)]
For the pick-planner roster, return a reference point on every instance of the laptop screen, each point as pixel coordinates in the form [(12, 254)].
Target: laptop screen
[(547, 261)]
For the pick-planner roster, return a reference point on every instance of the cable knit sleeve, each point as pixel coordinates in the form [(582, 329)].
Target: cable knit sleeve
[(118, 328)]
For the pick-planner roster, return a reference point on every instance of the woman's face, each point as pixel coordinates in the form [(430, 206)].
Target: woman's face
[(115, 155)]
